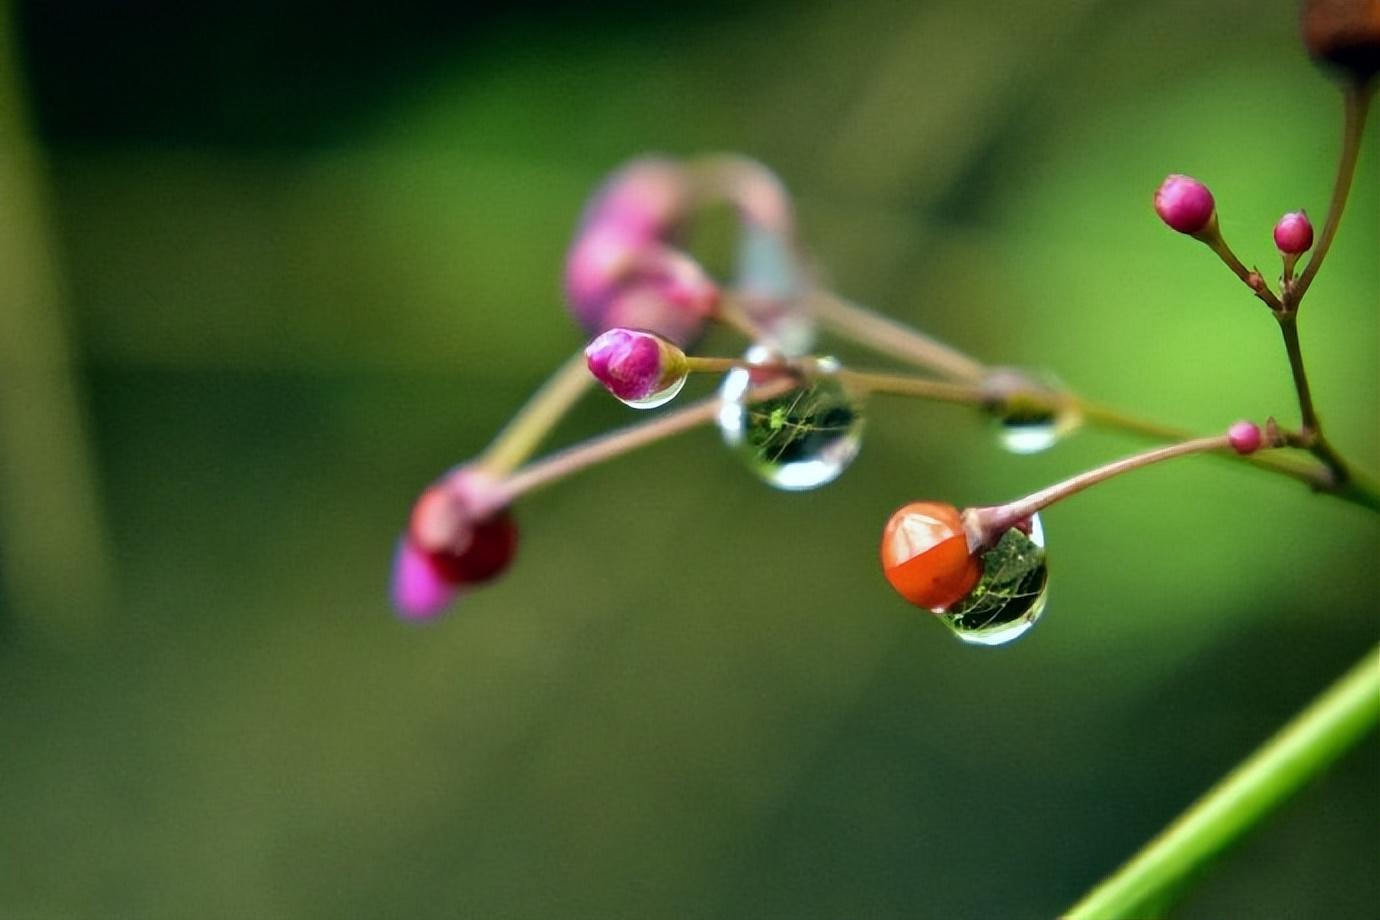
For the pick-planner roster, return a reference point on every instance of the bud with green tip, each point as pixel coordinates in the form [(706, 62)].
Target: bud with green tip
[(642, 369)]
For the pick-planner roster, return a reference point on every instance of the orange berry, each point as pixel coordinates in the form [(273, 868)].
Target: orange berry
[(925, 555)]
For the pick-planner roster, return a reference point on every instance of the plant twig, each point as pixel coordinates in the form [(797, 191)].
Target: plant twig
[(589, 453), (1357, 105), (887, 336), (534, 421)]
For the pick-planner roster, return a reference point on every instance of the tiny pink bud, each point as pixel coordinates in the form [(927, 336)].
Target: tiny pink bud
[(459, 534), (1185, 204), (640, 368), (1245, 437), (1294, 233)]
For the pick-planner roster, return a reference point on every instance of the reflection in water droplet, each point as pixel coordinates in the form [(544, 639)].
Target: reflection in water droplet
[(1011, 594), (1031, 432), (800, 440), (1030, 415), (659, 398)]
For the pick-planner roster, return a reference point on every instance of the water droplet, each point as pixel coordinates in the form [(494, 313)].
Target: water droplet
[(1011, 594), (1025, 424), (1027, 433), (659, 398), (800, 440)]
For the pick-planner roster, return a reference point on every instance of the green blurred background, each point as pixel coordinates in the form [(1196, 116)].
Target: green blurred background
[(266, 268)]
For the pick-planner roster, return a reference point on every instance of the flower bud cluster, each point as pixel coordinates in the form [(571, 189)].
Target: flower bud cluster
[(623, 270)]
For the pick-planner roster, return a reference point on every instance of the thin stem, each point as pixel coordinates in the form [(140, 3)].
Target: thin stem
[(1288, 327), (1356, 104), (572, 460), (862, 382), (1314, 440), (1310, 743), (921, 387), (1320, 477), (993, 522), (1317, 476), (730, 313), (534, 421), (1252, 279), (704, 365), (889, 337)]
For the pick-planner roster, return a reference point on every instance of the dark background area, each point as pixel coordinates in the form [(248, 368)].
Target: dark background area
[(283, 263)]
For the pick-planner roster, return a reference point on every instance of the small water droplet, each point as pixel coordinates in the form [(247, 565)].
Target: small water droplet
[(1011, 594), (800, 440), (1028, 434), (1026, 425), (659, 398)]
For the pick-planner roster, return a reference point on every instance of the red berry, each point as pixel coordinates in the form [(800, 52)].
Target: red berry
[(926, 558)]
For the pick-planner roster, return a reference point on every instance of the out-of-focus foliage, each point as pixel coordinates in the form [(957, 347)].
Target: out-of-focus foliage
[(311, 256)]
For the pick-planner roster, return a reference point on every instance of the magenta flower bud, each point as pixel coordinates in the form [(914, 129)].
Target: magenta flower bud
[(640, 368), (459, 534), (1245, 437), (1185, 204), (1294, 233), (614, 280)]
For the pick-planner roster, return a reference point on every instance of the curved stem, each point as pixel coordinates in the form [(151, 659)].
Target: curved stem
[(888, 337), (1306, 746), (572, 460), (1356, 106), (992, 522), (729, 312), (534, 421), (1320, 477)]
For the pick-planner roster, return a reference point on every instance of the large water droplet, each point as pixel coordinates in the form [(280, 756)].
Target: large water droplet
[(800, 440), (1011, 594)]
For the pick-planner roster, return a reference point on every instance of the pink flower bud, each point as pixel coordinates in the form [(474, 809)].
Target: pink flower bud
[(640, 368), (1294, 233), (459, 534), (1245, 437), (614, 280), (598, 263), (1185, 204)]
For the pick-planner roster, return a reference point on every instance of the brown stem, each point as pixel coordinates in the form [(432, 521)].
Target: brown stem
[(988, 524), (534, 421), (1313, 439), (572, 460), (1252, 279), (1356, 106), (888, 337), (730, 313)]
